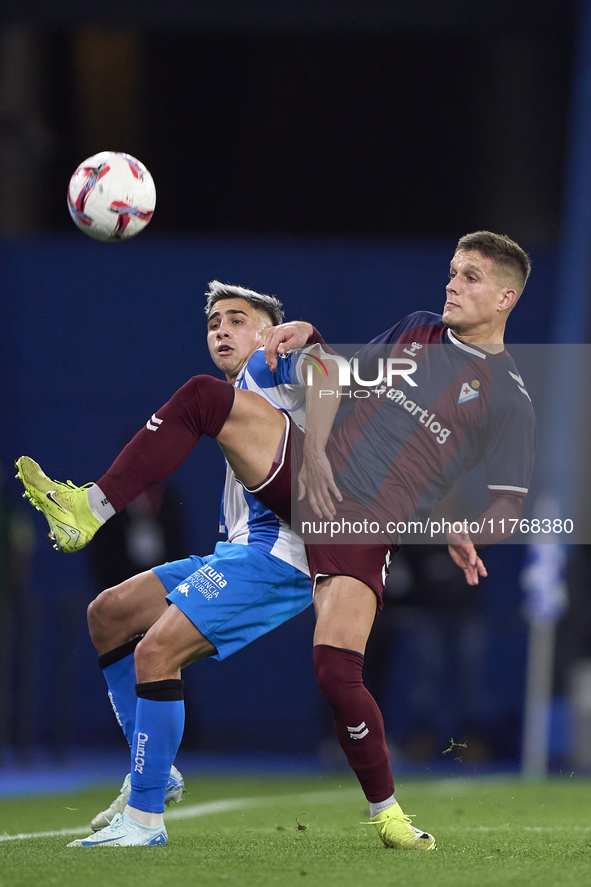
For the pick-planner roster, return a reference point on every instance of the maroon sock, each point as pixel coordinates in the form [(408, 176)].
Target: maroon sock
[(359, 723), (201, 406)]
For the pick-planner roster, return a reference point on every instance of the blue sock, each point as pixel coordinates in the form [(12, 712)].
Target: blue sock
[(160, 719), (119, 671)]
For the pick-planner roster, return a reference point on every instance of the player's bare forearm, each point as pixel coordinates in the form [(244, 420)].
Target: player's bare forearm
[(316, 479), (499, 520)]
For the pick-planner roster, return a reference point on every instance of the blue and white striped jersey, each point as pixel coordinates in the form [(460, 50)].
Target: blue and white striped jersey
[(243, 519)]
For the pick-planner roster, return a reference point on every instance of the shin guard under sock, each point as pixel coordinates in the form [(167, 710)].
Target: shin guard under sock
[(200, 407), (358, 720), (159, 723), (119, 671)]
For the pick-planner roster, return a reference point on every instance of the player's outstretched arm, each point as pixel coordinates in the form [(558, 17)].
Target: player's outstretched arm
[(315, 479)]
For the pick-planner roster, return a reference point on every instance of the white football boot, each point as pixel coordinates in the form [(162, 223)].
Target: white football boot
[(124, 832), (174, 792)]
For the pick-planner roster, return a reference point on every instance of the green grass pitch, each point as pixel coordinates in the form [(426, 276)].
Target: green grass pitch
[(286, 832)]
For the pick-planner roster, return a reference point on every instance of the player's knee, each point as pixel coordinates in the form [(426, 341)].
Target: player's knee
[(338, 672), (212, 400), (325, 674), (101, 614), (151, 658)]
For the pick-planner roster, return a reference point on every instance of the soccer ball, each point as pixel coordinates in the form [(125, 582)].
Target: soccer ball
[(111, 196)]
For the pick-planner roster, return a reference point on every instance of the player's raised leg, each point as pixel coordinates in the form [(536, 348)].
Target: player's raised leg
[(247, 427)]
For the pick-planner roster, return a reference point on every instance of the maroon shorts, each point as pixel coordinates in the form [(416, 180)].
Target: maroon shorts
[(368, 563)]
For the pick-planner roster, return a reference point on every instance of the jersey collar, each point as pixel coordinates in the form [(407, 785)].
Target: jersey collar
[(469, 348)]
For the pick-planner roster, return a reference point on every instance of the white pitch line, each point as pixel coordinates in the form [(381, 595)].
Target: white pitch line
[(521, 828), (209, 807), (62, 832)]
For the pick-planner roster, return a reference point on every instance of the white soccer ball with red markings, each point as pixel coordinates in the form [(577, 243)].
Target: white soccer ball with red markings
[(111, 196)]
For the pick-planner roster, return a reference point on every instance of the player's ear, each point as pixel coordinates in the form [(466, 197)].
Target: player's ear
[(263, 330), (508, 300)]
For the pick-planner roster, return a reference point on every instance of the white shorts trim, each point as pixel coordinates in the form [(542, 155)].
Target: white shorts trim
[(316, 578)]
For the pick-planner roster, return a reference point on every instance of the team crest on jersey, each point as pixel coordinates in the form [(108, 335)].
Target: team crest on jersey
[(469, 392)]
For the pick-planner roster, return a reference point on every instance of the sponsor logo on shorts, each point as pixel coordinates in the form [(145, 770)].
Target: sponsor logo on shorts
[(208, 591), (207, 581), (214, 576)]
